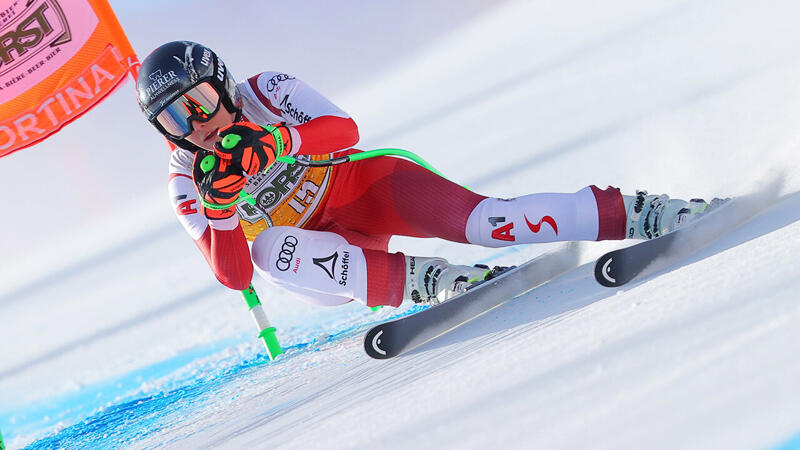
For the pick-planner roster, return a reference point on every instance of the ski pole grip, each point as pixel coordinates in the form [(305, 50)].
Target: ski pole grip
[(207, 164), (230, 141)]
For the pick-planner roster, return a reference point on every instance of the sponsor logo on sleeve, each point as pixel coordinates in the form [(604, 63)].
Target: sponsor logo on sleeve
[(272, 83), (502, 233), (292, 111), (327, 264), (536, 227), (296, 265), (185, 207), (285, 255), (345, 266), (505, 232)]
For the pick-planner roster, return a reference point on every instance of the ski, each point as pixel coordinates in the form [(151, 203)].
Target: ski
[(395, 337), (619, 267)]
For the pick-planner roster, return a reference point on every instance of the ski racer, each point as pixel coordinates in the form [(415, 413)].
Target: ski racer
[(323, 232)]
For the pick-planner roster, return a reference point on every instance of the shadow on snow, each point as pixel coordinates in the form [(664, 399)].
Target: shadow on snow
[(578, 289)]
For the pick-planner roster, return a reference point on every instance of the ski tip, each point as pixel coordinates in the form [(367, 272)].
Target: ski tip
[(604, 271), (376, 345)]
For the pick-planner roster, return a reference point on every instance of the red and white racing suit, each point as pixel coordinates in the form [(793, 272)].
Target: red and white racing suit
[(323, 232)]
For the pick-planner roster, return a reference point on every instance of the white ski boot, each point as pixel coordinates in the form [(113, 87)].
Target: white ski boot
[(432, 281), (650, 216)]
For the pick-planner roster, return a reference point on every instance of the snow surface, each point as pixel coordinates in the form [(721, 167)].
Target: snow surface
[(115, 334)]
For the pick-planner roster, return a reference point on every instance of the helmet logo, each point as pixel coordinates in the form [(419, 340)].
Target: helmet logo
[(206, 59), (220, 70), (160, 82)]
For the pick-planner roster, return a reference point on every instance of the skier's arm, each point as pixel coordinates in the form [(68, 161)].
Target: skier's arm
[(317, 125), (227, 253), (326, 134), (221, 241)]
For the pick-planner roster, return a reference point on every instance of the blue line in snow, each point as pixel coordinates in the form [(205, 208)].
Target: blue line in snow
[(72, 406), (792, 444), (134, 412)]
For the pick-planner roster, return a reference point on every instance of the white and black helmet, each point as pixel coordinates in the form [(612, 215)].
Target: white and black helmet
[(183, 81)]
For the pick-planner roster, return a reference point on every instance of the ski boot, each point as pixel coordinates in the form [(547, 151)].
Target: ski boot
[(430, 281), (651, 216)]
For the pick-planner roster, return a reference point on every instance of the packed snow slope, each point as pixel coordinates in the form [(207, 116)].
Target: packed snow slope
[(115, 334)]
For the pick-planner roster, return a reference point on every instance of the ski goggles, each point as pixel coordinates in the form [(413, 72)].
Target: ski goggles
[(198, 103)]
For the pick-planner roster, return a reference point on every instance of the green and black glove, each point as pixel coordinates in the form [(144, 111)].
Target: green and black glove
[(218, 183), (251, 146)]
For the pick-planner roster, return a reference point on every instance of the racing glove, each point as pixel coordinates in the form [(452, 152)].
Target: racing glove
[(218, 183), (251, 146)]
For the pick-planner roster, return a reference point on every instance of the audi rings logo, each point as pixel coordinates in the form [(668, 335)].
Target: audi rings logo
[(272, 83), (287, 253)]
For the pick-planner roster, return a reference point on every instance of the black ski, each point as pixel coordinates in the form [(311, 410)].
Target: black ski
[(618, 267), (392, 338)]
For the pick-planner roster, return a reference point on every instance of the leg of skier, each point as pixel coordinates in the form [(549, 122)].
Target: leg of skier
[(371, 200), (321, 267)]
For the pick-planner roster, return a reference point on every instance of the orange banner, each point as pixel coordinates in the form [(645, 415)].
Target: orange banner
[(58, 58)]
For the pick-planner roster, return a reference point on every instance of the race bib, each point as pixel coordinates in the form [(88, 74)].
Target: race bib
[(286, 194)]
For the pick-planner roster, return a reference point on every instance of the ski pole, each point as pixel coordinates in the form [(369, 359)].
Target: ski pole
[(363, 155), (231, 140), (207, 163), (266, 331)]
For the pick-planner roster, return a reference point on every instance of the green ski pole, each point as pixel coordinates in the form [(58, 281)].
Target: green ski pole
[(266, 331)]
